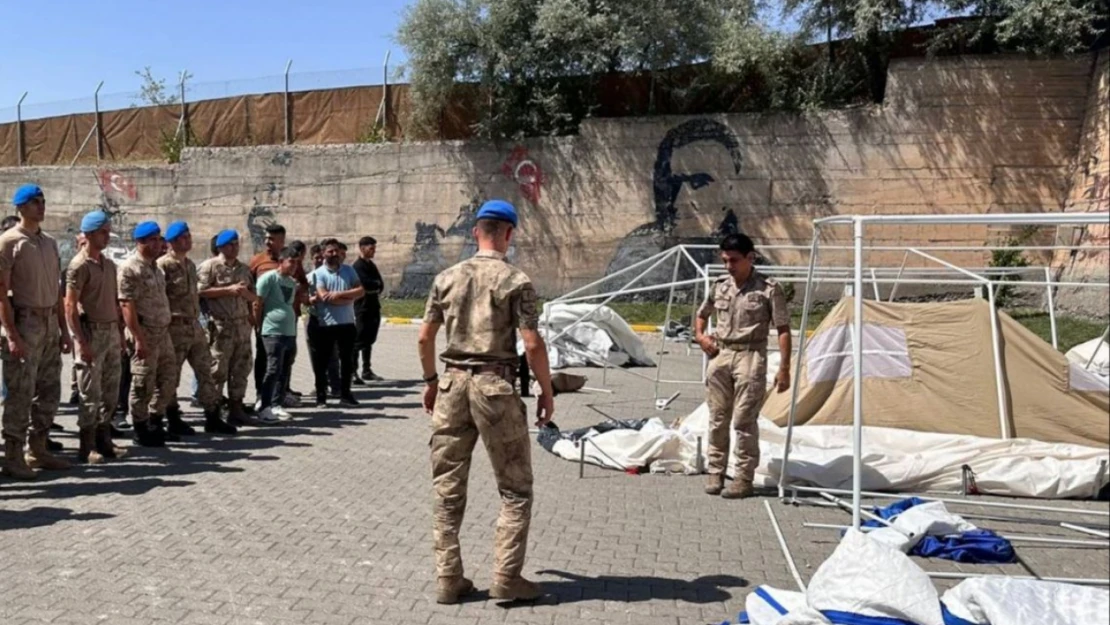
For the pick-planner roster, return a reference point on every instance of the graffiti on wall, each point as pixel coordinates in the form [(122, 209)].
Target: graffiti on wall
[(526, 172), (436, 248), (266, 201), (116, 191), (679, 190)]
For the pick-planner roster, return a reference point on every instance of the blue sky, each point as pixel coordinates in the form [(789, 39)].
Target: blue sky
[(71, 45)]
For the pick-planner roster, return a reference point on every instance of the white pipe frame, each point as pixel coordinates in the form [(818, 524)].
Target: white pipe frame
[(859, 223)]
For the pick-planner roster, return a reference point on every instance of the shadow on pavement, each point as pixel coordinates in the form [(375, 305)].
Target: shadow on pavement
[(42, 516), (573, 588)]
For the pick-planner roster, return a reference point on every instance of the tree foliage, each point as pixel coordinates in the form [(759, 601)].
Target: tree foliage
[(535, 67), (154, 92)]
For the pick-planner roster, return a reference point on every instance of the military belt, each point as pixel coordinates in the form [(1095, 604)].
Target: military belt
[(742, 346), (504, 371)]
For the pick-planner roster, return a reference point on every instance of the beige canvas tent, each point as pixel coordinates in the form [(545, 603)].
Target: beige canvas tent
[(930, 367)]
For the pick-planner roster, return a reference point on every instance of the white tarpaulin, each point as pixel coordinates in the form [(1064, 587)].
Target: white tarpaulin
[(867, 582), (894, 459), (1081, 355), (603, 337)]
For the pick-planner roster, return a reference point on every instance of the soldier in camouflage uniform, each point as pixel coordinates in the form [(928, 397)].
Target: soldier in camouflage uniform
[(92, 311), (225, 283), (32, 317), (146, 313), (744, 305), (189, 340), (475, 398)]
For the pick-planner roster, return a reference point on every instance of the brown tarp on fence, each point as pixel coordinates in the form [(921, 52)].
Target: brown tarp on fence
[(136, 134)]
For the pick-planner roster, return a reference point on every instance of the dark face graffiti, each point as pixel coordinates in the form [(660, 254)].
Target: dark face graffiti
[(436, 249), (267, 199), (681, 189)]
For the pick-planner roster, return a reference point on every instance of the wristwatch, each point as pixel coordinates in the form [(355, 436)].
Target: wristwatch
[(432, 378)]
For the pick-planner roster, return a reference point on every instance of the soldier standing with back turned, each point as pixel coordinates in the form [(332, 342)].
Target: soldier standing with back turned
[(744, 304), (483, 301), (35, 325)]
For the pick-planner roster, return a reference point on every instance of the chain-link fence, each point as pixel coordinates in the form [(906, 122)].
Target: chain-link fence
[(28, 109)]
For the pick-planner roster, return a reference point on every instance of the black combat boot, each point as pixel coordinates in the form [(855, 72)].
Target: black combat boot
[(148, 435), (213, 424), (159, 423), (177, 426)]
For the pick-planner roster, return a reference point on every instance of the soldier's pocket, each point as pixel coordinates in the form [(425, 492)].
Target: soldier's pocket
[(502, 410)]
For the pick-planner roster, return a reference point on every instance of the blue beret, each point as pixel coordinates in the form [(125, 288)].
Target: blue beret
[(26, 193), (226, 236), (146, 229), (176, 229), (93, 221), (498, 210)]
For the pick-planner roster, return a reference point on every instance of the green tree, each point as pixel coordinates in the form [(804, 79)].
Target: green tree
[(1042, 27), (535, 63)]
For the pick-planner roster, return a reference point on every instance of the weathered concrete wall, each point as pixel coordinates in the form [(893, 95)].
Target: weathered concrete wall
[(960, 135), (1090, 192)]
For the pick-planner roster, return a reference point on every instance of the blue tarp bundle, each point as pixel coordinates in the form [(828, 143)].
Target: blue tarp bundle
[(974, 547)]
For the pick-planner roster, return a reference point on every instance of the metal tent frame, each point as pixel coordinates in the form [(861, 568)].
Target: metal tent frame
[(859, 225)]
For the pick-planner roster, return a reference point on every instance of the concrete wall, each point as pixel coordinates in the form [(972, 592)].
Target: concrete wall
[(960, 135), (1090, 192)]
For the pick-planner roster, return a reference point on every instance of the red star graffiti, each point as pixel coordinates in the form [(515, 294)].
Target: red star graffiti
[(526, 172)]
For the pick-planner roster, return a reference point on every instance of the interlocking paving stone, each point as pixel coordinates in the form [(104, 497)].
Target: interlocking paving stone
[(327, 519)]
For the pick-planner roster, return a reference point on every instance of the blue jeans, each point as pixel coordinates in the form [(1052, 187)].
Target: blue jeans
[(279, 349)]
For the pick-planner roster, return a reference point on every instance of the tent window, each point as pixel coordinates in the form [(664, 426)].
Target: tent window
[(1080, 379), (885, 353)]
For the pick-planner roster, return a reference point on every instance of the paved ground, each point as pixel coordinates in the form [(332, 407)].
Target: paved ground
[(327, 520)]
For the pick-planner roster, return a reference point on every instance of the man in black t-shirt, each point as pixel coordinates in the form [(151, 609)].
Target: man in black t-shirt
[(368, 310)]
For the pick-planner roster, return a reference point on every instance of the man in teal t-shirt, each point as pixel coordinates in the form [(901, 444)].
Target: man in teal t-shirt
[(277, 292)]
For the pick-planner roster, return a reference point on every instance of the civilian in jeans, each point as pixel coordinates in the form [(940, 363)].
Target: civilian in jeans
[(277, 291), (337, 287)]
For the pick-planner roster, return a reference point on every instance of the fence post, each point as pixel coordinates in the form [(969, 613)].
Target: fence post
[(96, 122), (385, 94), (19, 128), (288, 120), (183, 122)]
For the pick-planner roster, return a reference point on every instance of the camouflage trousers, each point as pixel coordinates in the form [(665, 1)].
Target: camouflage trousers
[(152, 377), (98, 381), (736, 382), (231, 354), (191, 343), (468, 406), (35, 382)]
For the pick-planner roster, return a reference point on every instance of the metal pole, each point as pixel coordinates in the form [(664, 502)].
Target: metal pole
[(1085, 530), (857, 376), (814, 247), (581, 458), (856, 511), (1060, 580), (19, 127), (999, 381), (1105, 336), (385, 92), (82, 148), (182, 123), (1017, 538), (962, 502), (894, 290), (666, 323), (612, 297), (875, 285), (288, 121), (785, 548), (96, 125), (1051, 299), (640, 263), (698, 466)]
